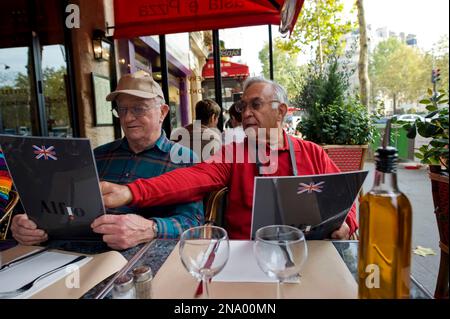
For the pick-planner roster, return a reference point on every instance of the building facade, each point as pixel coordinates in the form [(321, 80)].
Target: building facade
[(54, 79)]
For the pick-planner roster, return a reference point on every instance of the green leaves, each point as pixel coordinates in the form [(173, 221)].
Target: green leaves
[(399, 71), (435, 126), (320, 22), (286, 71), (412, 131), (332, 116), (348, 123), (431, 107)]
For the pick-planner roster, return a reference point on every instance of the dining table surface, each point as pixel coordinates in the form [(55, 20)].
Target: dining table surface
[(156, 253)]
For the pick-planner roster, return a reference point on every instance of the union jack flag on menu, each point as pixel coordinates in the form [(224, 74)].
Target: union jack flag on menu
[(311, 187), (45, 152)]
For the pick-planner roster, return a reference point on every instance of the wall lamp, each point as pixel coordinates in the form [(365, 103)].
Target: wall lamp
[(101, 46)]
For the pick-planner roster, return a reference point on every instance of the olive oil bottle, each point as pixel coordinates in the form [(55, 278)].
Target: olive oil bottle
[(385, 234)]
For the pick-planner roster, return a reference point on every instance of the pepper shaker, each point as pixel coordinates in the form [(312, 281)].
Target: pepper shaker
[(124, 288), (143, 282)]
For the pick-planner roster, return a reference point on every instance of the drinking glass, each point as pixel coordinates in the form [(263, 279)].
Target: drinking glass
[(280, 252), (204, 252)]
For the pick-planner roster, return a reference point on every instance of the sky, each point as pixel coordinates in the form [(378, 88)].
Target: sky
[(428, 19), (17, 59)]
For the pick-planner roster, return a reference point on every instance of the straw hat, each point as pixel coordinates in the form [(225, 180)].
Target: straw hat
[(140, 84)]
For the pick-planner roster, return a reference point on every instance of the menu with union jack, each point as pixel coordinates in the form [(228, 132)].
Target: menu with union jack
[(316, 204)]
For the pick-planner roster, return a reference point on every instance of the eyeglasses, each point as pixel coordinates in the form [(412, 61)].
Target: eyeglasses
[(255, 104), (137, 111)]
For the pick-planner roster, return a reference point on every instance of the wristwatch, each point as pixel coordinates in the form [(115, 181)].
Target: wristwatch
[(155, 229)]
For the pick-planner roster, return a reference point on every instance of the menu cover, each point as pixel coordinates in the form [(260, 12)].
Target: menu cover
[(76, 276), (324, 275)]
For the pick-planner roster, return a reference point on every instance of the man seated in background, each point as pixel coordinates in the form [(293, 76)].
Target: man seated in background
[(144, 152), (235, 132), (202, 136)]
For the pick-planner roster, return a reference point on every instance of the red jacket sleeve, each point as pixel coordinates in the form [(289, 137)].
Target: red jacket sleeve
[(181, 185)]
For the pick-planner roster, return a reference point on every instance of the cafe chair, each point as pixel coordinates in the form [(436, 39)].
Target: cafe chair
[(5, 220), (215, 206)]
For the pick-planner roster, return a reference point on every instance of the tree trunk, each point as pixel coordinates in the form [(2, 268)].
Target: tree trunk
[(321, 63), (363, 64), (394, 105)]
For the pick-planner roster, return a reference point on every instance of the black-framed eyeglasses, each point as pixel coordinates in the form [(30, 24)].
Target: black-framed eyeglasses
[(255, 104), (137, 111)]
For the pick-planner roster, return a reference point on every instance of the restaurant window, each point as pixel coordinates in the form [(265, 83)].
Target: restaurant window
[(240, 58), (33, 69), (174, 102), (178, 61), (16, 98), (55, 81)]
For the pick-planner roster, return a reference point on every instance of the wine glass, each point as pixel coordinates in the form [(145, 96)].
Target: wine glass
[(280, 252), (204, 251)]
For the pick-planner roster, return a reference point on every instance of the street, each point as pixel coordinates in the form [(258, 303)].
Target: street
[(416, 185)]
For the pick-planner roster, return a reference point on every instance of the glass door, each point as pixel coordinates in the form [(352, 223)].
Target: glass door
[(54, 72), (34, 85), (17, 100)]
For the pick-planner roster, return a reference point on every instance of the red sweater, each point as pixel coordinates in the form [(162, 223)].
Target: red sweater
[(193, 183)]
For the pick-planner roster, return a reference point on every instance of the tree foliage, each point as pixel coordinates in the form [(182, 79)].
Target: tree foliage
[(16, 106), (333, 116), (320, 27), (398, 71), (286, 71)]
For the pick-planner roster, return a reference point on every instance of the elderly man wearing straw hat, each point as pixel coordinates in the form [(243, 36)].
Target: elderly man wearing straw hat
[(144, 152)]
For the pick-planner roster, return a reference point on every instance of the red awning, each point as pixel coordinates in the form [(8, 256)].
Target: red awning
[(151, 17), (228, 69)]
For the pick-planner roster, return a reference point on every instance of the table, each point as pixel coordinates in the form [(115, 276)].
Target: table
[(348, 250), (158, 253)]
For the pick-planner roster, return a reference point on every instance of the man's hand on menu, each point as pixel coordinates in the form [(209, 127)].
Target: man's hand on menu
[(25, 231), (123, 231), (115, 195), (342, 233)]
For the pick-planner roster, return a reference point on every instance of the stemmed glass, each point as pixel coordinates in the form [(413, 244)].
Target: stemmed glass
[(204, 251), (280, 252)]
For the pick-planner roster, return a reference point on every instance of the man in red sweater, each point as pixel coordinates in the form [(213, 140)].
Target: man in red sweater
[(263, 107)]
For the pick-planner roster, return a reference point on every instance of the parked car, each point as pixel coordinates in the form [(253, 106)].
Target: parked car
[(410, 117), (23, 130)]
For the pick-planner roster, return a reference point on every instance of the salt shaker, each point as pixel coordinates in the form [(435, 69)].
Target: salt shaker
[(143, 282), (124, 288)]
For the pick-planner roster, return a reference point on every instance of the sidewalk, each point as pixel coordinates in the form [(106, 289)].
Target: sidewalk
[(416, 185)]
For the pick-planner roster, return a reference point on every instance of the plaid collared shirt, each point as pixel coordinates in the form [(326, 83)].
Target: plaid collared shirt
[(118, 164)]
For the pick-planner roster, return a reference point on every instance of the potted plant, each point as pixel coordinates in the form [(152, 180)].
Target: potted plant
[(335, 119), (435, 154)]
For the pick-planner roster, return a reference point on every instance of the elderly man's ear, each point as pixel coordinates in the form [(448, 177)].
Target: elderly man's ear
[(282, 111), (164, 112)]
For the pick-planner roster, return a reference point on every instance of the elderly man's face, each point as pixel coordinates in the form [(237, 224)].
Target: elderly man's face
[(263, 116), (145, 124)]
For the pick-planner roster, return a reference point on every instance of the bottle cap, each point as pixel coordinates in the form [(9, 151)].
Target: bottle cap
[(387, 151), (386, 159), (123, 283), (142, 273)]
